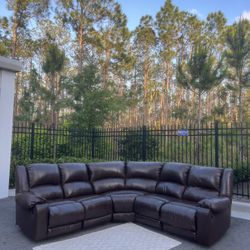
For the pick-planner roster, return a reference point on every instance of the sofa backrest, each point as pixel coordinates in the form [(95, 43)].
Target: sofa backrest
[(75, 179), (173, 179), (203, 182), (107, 176), (44, 180), (142, 175)]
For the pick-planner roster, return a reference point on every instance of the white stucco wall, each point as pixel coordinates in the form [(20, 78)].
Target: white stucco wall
[(8, 68)]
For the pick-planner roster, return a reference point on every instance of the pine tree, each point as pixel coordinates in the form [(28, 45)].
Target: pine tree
[(238, 60), (200, 73)]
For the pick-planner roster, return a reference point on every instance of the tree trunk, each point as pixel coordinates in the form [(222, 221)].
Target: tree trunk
[(199, 110), (106, 68), (240, 106), (81, 47), (145, 93)]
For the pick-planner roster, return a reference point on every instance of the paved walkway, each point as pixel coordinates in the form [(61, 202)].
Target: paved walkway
[(11, 238)]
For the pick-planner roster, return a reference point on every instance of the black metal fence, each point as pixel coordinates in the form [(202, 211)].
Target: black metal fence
[(218, 145)]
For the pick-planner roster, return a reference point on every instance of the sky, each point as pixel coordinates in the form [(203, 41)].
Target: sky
[(232, 9), (135, 9)]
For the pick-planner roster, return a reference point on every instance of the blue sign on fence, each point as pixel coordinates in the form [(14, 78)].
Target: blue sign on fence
[(183, 132)]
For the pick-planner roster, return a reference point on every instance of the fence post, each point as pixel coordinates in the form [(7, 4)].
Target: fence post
[(216, 144), (93, 143), (144, 141), (32, 140)]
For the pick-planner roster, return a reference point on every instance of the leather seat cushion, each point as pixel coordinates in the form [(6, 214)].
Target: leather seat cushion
[(65, 213), (149, 206), (179, 216), (123, 203), (97, 206)]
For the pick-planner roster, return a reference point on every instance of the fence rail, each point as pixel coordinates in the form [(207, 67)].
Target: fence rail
[(218, 145)]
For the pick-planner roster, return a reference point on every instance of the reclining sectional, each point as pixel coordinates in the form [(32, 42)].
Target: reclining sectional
[(186, 200)]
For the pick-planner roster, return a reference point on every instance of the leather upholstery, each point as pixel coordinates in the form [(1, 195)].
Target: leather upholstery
[(217, 205), (44, 180), (175, 172), (124, 217), (97, 207), (173, 179), (226, 183), (208, 177), (107, 176), (48, 192), (127, 191), (149, 206), (197, 193), (28, 200), (21, 179), (102, 170), (179, 216), (97, 221), (123, 203), (105, 185), (75, 179), (43, 174), (170, 188), (203, 183), (178, 198), (65, 214), (53, 232), (143, 175)]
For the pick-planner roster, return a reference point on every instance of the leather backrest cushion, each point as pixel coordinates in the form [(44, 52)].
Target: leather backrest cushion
[(75, 179), (71, 172), (197, 193), (170, 188), (143, 175), (103, 170), (107, 176), (145, 170), (205, 177), (146, 185), (49, 192), (106, 185), (43, 174), (175, 172)]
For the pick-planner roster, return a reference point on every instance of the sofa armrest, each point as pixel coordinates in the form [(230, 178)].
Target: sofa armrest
[(28, 200), (216, 205)]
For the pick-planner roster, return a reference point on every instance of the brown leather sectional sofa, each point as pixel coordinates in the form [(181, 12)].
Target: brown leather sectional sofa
[(190, 201)]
